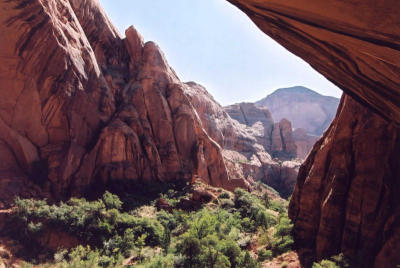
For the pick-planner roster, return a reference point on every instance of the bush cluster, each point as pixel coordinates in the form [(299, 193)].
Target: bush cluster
[(218, 235)]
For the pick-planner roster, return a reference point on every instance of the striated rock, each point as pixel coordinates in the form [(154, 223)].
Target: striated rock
[(54, 238), (291, 259), (282, 143), (304, 142), (101, 107), (355, 44), (49, 71), (346, 198), (303, 107), (347, 190)]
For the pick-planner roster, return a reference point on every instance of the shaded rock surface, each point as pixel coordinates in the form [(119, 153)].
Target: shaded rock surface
[(303, 107), (304, 142), (346, 198), (355, 44)]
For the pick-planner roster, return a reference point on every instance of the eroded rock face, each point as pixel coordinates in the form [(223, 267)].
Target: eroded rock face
[(276, 138), (245, 141), (346, 198), (303, 107), (81, 106), (304, 142)]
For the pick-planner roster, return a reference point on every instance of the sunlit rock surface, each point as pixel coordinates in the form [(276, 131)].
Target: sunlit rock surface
[(82, 106), (254, 147)]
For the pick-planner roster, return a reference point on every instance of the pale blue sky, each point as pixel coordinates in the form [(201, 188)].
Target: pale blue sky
[(213, 43)]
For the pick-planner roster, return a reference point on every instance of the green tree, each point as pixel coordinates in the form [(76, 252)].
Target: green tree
[(231, 249), (111, 201), (140, 243), (190, 247), (248, 262), (166, 240), (283, 239)]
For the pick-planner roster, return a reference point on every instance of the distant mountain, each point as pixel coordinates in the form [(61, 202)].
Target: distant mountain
[(302, 106)]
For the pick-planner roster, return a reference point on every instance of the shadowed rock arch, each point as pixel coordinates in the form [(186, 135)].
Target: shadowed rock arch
[(355, 44), (347, 193)]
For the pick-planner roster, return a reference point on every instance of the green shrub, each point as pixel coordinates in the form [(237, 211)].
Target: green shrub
[(227, 203), (111, 201), (248, 262), (277, 206), (283, 239), (203, 224), (224, 195), (167, 261), (85, 257), (231, 250), (99, 223), (338, 261), (190, 247), (215, 236), (264, 255), (168, 220)]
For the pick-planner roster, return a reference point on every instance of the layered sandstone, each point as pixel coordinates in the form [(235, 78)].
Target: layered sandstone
[(346, 198)]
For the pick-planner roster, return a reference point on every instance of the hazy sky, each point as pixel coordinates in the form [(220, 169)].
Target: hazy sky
[(213, 43)]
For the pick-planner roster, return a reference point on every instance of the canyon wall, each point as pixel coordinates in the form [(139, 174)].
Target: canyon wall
[(82, 106), (346, 197)]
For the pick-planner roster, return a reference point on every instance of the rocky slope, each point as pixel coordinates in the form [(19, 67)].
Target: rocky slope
[(303, 107), (82, 106), (347, 191), (249, 143)]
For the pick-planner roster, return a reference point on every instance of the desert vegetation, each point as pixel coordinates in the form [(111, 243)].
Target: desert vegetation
[(239, 229)]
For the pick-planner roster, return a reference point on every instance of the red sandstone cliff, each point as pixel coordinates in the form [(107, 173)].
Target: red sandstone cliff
[(81, 105), (304, 142), (346, 196)]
